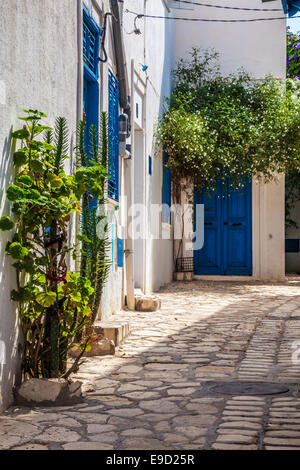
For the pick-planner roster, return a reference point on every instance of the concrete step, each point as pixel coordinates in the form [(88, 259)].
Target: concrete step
[(103, 347), (188, 276), (115, 331), (147, 303)]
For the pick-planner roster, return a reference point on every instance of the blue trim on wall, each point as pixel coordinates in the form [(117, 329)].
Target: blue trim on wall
[(284, 6), (150, 165), (120, 252), (291, 7), (167, 188)]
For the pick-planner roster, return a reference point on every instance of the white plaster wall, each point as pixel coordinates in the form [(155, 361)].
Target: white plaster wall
[(154, 48), (38, 69), (259, 48), (268, 237)]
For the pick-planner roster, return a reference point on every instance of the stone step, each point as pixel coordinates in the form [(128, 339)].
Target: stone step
[(116, 331), (188, 276), (144, 303), (103, 347)]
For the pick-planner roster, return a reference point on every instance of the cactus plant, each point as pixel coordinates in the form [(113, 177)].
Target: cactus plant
[(54, 303), (93, 150)]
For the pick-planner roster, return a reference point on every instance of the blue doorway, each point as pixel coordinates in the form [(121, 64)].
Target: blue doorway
[(227, 246)]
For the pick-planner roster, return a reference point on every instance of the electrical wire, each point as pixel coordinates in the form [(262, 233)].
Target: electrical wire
[(249, 20), (226, 8)]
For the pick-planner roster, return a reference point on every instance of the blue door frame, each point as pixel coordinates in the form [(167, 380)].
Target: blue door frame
[(227, 246)]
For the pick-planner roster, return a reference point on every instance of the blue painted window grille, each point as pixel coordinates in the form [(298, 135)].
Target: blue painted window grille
[(91, 44), (113, 136), (167, 187)]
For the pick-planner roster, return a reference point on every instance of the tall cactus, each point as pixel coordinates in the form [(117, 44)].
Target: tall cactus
[(55, 304), (61, 144), (95, 263)]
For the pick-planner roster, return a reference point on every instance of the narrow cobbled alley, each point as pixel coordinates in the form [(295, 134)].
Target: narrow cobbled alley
[(166, 388)]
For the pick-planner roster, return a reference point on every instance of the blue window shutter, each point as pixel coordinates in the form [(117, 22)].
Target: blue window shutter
[(91, 38), (113, 135), (150, 165), (91, 44), (120, 252), (167, 196)]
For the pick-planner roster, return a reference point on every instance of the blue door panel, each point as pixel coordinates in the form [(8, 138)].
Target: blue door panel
[(208, 260), (227, 246), (238, 230)]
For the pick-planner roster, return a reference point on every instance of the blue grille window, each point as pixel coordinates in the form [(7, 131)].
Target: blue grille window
[(113, 135), (167, 196), (91, 44)]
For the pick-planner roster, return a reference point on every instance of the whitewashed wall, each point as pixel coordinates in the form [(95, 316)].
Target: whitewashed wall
[(38, 69), (153, 259), (259, 47), (154, 48)]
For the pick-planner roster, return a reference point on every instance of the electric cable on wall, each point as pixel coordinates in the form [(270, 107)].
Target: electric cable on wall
[(190, 2), (206, 20)]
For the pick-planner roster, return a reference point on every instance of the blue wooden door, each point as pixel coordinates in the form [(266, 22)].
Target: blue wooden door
[(227, 246), (208, 260)]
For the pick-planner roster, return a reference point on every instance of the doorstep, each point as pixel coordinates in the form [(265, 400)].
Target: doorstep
[(225, 278), (115, 331)]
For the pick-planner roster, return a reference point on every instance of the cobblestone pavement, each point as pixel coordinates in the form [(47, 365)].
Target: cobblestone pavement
[(155, 394)]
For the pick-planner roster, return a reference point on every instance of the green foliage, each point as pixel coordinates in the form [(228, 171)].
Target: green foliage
[(20, 158), (55, 305), (46, 299), (234, 126), (17, 251), (6, 224), (293, 55), (62, 138)]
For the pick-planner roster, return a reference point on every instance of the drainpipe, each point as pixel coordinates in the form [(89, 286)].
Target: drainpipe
[(128, 163), (120, 57)]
